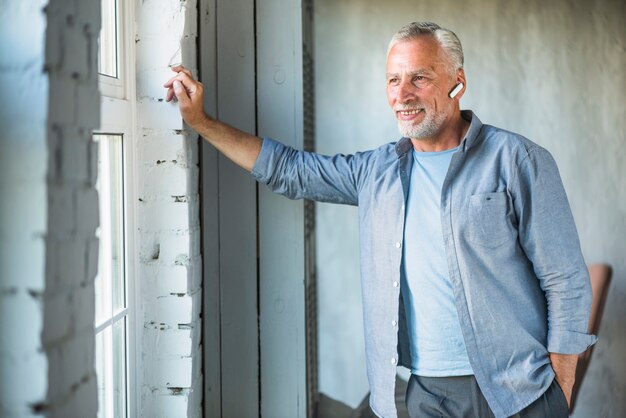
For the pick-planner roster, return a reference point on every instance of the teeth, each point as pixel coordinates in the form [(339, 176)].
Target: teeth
[(410, 112)]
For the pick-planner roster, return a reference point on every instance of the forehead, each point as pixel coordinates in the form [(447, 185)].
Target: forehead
[(420, 54)]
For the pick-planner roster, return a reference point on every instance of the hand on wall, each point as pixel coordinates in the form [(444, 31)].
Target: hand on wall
[(189, 93)]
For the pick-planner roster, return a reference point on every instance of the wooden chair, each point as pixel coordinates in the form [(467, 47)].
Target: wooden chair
[(600, 276)]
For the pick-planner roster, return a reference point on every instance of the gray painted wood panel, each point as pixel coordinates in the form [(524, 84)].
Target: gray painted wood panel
[(237, 211), (240, 323), (230, 216), (211, 343), (281, 221)]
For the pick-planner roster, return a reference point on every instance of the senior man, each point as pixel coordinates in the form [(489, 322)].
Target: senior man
[(472, 273)]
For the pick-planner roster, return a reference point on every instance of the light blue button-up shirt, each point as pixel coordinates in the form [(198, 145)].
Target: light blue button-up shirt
[(520, 283)]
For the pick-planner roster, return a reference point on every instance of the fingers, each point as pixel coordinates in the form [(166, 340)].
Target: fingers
[(186, 79), (178, 68), (187, 82), (182, 69), (188, 92), (169, 82), (178, 76), (181, 93), (170, 94)]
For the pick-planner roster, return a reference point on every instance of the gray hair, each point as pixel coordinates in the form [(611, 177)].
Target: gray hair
[(448, 40)]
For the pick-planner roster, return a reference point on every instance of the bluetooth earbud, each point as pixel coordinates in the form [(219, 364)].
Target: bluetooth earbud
[(456, 90)]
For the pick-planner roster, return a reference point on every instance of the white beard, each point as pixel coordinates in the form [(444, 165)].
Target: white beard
[(425, 129)]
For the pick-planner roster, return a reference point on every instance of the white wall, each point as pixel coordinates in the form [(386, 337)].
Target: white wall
[(49, 211), (23, 216), (552, 71), (48, 79), (168, 227)]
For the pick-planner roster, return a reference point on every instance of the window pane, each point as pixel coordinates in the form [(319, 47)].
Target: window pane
[(110, 282), (107, 63), (111, 370)]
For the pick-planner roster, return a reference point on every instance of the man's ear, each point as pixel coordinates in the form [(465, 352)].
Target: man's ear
[(455, 90), (460, 86)]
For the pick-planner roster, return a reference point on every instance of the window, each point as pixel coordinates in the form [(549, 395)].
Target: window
[(113, 49), (107, 54), (114, 286), (110, 285)]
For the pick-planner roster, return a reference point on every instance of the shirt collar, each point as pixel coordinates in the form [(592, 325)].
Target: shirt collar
[(404, 145)]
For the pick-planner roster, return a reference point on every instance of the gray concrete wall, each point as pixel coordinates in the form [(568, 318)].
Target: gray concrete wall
[(552, 71)]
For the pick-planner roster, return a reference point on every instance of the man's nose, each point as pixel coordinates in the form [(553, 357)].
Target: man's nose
[(406, 91)]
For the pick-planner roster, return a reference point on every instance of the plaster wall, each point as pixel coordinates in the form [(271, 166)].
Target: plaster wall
[(23, 161), (552, 71), (49, 211), (48, 247), (168, 215)]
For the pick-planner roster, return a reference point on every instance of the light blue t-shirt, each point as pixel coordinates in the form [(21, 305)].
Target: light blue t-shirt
[(437, 346)]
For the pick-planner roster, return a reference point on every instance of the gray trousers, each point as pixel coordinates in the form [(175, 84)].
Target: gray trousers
[(460, 397)]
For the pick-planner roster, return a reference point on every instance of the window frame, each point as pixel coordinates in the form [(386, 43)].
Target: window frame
[(118, 116), (117, 86)]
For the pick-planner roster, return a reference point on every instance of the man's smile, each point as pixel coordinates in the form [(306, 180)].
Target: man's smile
[(408, 114)]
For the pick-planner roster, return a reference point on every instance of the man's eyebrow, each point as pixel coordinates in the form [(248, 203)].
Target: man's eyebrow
[(421, 71)]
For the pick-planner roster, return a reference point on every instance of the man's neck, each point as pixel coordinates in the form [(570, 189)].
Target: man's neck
[(449, 137)]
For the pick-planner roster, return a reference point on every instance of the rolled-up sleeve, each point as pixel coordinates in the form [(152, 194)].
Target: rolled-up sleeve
[(305, 175), (271, 151), (548, 236)]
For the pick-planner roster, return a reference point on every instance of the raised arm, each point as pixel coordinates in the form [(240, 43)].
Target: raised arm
[(292, 173), (242, 148)]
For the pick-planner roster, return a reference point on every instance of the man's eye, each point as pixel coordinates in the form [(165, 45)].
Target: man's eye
[(418, 78), (392, 81)]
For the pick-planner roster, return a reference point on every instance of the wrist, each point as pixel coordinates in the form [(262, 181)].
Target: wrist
[(198, 121)]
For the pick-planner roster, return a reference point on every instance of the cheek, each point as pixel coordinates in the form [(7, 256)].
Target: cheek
[(440, 103), (391, 95)]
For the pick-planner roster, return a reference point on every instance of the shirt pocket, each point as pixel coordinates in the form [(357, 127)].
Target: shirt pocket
[(488, 221)]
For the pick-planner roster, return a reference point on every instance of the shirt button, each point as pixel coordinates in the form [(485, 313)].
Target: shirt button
[(395, 284), (393, 360), (398, 245), (394, 323), (402, 207)]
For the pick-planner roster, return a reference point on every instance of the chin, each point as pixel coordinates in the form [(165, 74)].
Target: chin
[(414, 132)]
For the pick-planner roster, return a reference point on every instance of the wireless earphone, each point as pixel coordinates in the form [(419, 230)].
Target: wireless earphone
[(456, 90)]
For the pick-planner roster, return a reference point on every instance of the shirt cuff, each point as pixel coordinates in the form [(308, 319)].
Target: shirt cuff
[(569, 342), (266, 161)]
